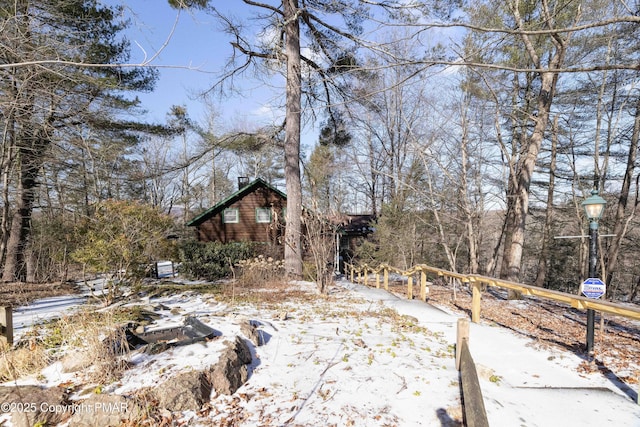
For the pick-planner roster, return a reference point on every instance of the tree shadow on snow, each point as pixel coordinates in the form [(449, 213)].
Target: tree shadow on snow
[(446, 420)]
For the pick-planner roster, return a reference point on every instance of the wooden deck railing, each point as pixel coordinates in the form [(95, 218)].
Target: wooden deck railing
[(478, 282)]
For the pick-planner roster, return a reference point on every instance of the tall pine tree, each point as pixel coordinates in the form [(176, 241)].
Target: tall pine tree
[(58, 72)]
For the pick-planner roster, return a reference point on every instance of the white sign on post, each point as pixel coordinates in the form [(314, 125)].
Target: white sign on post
[(164, 269), (593, 288)]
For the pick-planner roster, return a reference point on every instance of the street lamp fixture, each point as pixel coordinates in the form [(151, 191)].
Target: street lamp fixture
[(593, 208)]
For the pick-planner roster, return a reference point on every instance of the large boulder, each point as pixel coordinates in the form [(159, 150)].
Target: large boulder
[(187, 391), (30, 405), (231, 371), (105, 410), (250, 331)]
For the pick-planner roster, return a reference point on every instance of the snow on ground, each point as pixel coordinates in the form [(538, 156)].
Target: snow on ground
[(42, 310), (365, 357)]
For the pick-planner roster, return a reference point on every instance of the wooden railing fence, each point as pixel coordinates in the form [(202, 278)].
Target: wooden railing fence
[(360, 274), (475, 414)]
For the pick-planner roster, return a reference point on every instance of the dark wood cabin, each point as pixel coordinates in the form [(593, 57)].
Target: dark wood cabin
[(253, 213), (352, 231)]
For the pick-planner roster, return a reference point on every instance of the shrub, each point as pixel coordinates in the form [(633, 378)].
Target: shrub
[(120, 239), (213, 260), (21, 361), (93, 338), (260, 270)]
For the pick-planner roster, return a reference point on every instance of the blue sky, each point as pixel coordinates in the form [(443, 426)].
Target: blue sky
[(198, 43)]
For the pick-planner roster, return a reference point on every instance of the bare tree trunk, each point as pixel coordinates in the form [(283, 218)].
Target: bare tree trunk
[(14, 266), (543, 260), (519, 197), (7, 166), (86, 186), (185, 189), (467, 209), (450, 252), (516, 223), (619, 228), (292, 248), (31, 266), (15, 247), (635, 290), (32, 149)]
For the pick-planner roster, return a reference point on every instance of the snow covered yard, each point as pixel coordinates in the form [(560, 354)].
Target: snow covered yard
[(358, 357), (336, 360)]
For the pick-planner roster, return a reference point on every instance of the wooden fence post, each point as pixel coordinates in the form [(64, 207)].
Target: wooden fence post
[(452, 282), (423, 286), (377, 280), (410, 287), (6, 324), (475, 302), (352, 268), (475, 414), (386, 278), (462, 335)]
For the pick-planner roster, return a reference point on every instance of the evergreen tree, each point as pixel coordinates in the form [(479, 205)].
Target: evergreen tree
[(58, 80)]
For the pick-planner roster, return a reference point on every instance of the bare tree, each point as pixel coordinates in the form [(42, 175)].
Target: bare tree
[(330, 31), (39, 101)]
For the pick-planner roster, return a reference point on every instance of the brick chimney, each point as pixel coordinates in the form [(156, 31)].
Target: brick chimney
[(243, 181)]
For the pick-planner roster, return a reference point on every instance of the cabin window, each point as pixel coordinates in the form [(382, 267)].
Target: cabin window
[(230, 215), (263, 215)]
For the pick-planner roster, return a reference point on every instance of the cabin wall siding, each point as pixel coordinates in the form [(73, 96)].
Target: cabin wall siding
[(247, 229)]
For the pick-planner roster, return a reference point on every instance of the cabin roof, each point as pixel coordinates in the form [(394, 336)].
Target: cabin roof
[(241, 193), (353, 224)]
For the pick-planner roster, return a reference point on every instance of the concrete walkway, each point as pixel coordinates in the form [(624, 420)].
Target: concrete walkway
[(522, 383)]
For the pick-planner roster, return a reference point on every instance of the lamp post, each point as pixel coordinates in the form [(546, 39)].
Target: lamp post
[(594, 208)]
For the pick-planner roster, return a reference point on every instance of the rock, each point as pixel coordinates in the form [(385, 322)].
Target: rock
[(30, 405), (241, 349), (231, 372), (104, 410), (157, 348), (76, 361), (250, 331), (184, 392)]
